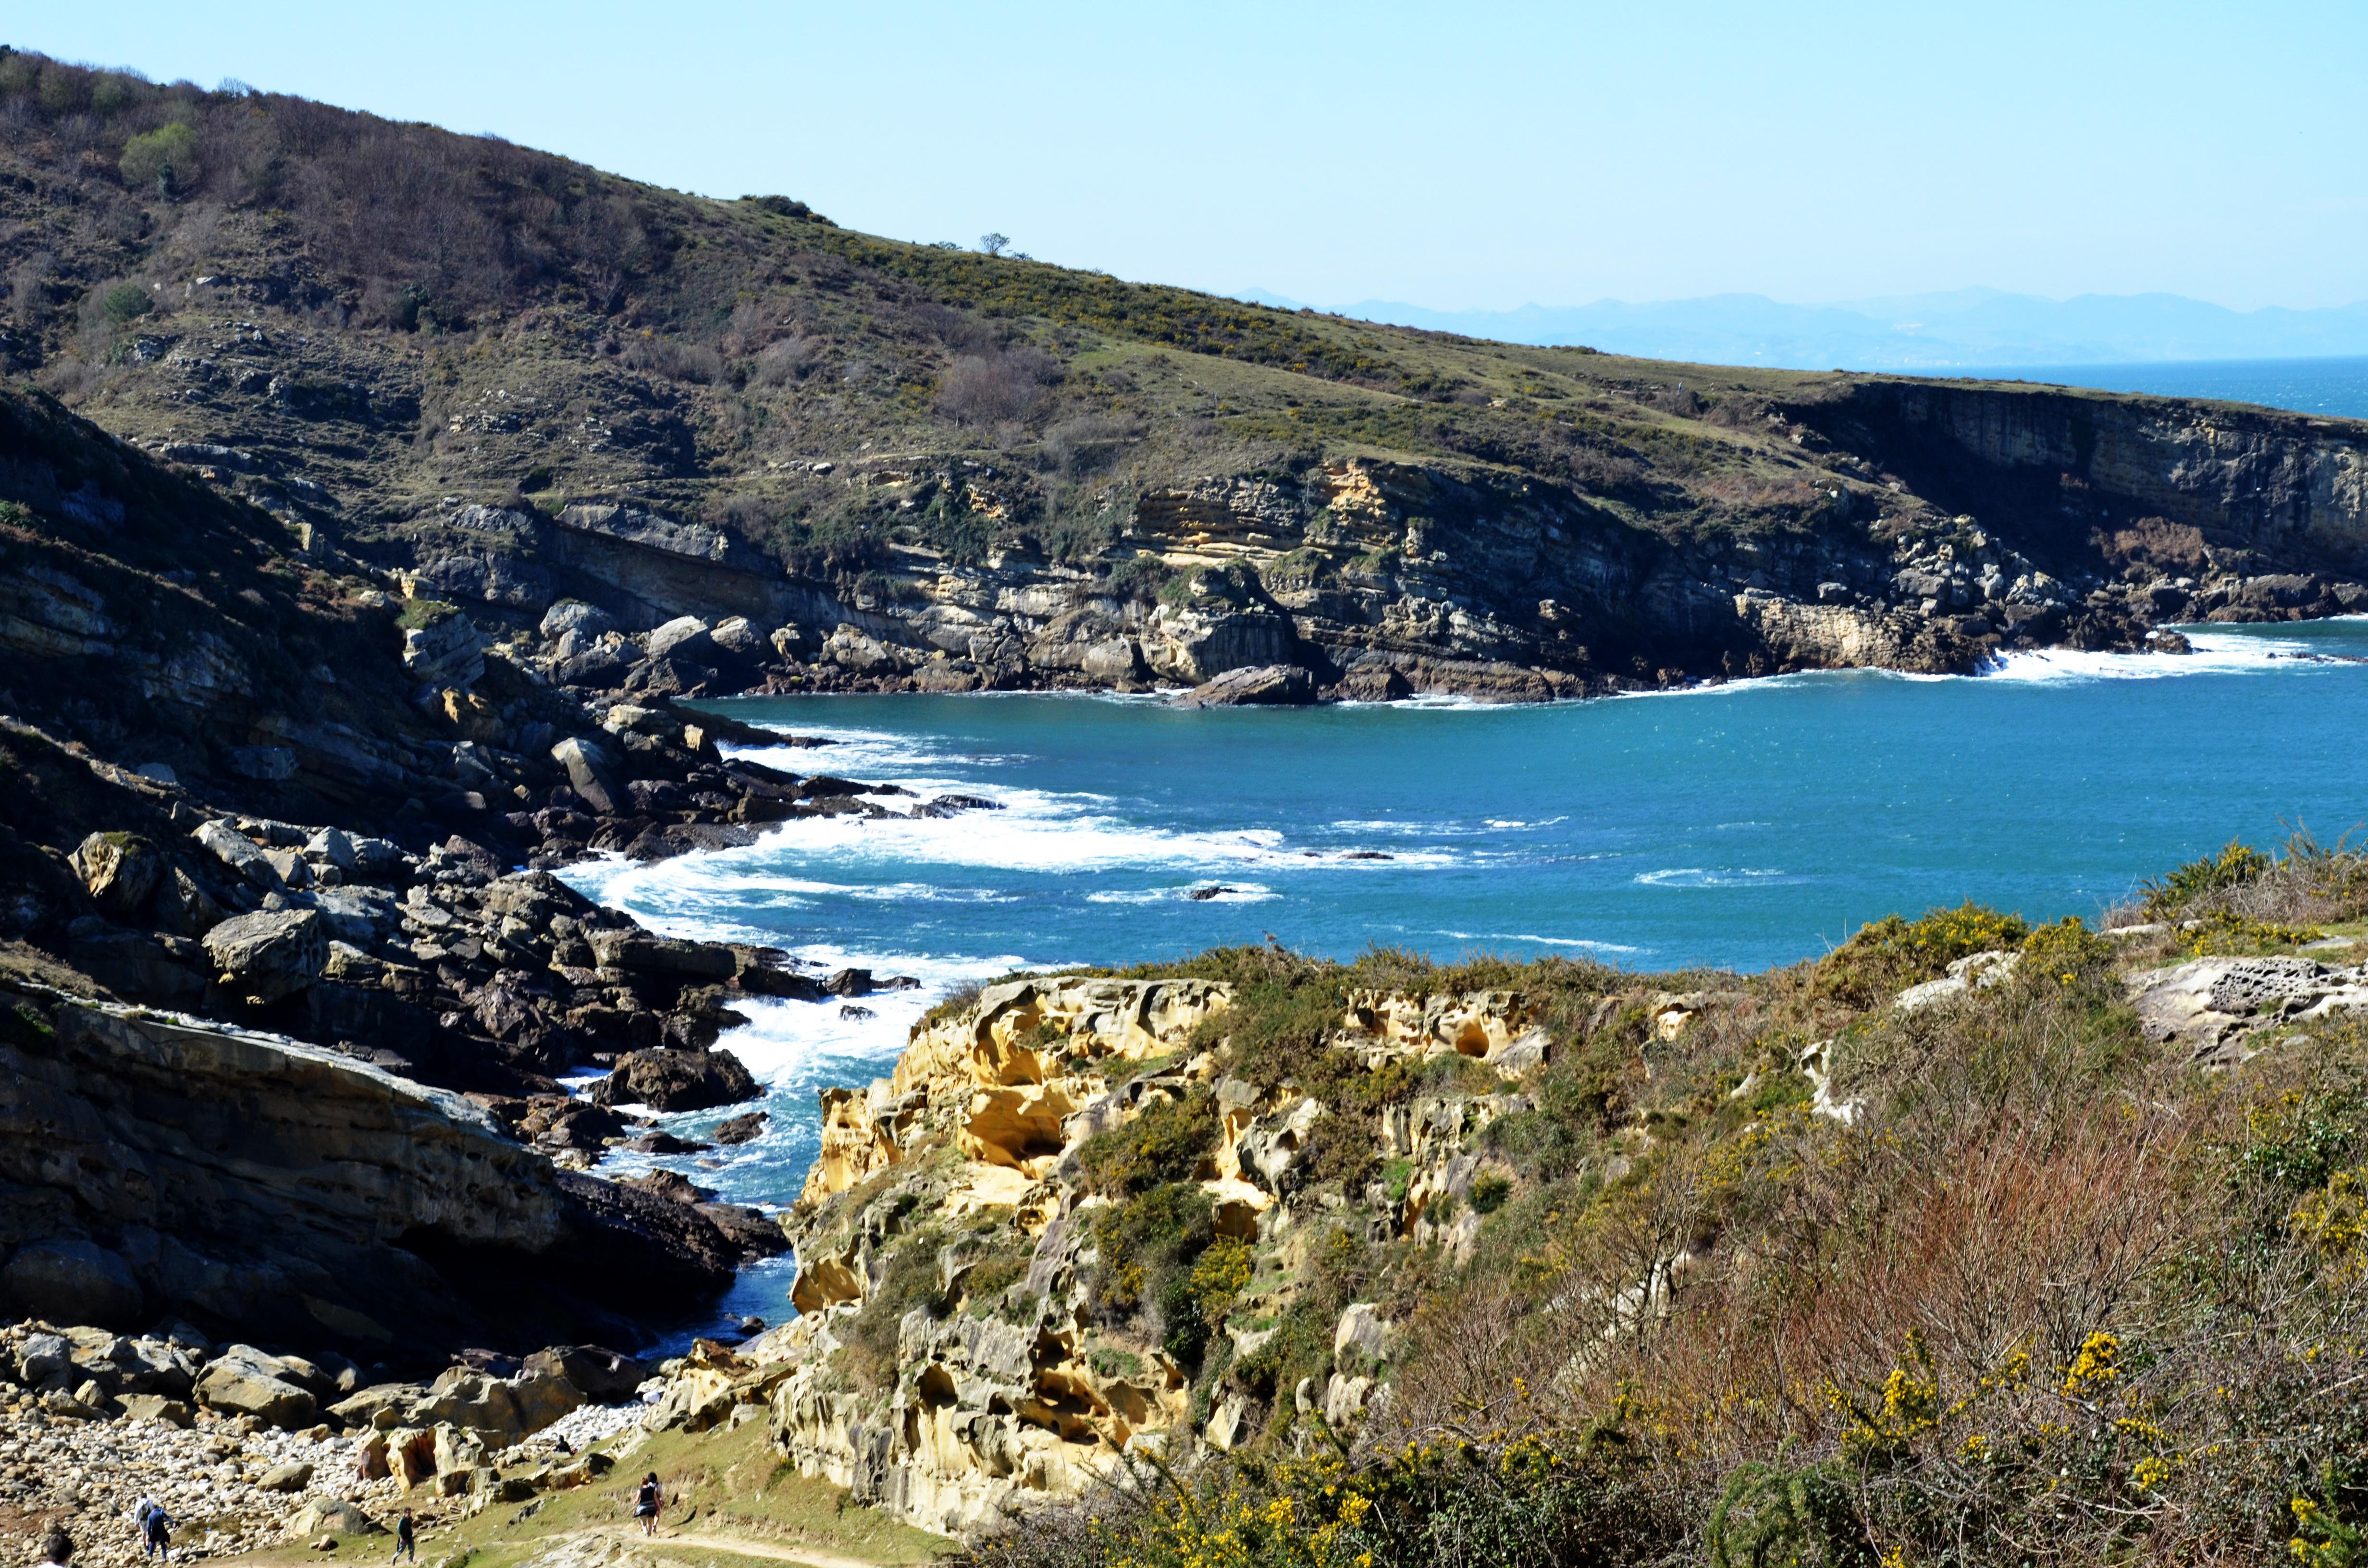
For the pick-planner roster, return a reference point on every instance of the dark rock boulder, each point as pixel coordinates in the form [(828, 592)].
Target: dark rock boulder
[(1374, 685), (601, 1375), (670, 1079), (656, 1252), (572, 1124), (588, 775), (637, 949), (754, 1232), (269, 954), (673, 1185), (121, 870), (743, 1128)]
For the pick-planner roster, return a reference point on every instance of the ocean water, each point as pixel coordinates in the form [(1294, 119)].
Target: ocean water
[(2337, 387), (1740, 825)]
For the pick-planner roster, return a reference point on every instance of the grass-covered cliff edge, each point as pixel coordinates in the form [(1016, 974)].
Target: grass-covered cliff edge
[(514, 380), (1971, 1242)]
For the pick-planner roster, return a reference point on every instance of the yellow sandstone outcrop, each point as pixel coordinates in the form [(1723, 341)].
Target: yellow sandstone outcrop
[(1007, 1384), (1031, 1055)]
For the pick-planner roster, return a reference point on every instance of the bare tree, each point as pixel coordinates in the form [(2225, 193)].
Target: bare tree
[(994, 245)]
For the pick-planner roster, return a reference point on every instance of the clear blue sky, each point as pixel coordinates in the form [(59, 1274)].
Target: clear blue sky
[(1468, 156)]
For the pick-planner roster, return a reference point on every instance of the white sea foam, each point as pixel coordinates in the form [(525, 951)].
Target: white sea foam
[(1587, 943), (2220, 652), (1227, 893), (1046, 833), (1714, 877)]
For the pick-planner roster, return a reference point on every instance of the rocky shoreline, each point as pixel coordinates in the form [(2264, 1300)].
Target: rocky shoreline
[(246, 1450)]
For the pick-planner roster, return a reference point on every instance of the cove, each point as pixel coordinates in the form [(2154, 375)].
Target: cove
[(1739, 826)]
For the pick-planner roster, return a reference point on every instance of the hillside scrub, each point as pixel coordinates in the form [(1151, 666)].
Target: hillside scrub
[(408, 322), (2043, 1294)]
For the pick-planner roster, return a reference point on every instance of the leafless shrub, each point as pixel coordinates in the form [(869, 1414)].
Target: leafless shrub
[(791, 360), (750, 328), (29, 285), (679, 361), (1085, 443), (2156, 542), (958, 329), (70, 379), (1007, 387)]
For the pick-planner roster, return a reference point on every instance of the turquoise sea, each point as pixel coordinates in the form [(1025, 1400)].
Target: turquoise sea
[(1742, 826)]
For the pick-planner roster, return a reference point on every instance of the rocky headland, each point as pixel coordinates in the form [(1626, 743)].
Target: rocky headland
[(658, 445)]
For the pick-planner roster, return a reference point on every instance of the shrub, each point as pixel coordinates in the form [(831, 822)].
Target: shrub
[(789, 360), (1139, 578), (909, 1281), (166, 158), (1163, 1144), (1145, 1242), (125, 303), (990, 390), (1770, 1517), (1893, 953), (2233, 867), (418, 615)]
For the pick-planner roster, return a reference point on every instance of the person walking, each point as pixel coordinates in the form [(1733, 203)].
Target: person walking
[(648, 1503), (406, 1538), (141, 1514), (155, 1534)]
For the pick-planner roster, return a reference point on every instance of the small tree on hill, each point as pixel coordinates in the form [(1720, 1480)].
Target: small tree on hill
[(994, 245)]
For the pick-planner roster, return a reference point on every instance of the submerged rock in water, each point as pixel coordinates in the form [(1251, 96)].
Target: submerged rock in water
[(743, 1128)]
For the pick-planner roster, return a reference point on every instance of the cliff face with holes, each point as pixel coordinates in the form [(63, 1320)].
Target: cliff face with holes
[(967, 1343)]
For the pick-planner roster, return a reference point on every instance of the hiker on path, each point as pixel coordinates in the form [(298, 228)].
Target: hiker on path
[(142, 1513), (647, 1501), (406, 1538), (154, 1533)]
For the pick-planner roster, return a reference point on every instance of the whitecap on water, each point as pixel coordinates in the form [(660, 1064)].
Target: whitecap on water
[(1712, 877), (2215, 653), (1197, 892), (1582, 942)]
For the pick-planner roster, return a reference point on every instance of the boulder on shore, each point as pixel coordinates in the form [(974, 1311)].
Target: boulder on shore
[(1262, 686), (270, 953), (246, 1381)]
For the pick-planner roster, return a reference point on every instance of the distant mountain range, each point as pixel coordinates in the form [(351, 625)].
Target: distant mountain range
[(1966, 328)]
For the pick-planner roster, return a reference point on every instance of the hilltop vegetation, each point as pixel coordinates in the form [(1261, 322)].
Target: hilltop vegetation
[(1031, 475)]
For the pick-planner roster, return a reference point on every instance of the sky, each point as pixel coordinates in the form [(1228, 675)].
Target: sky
[(1461, 156)]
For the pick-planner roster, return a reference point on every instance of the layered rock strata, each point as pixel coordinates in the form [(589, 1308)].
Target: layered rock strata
[(160, 1166)]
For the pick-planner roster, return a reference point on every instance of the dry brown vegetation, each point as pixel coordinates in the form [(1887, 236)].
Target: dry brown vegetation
[(2047, 1295)]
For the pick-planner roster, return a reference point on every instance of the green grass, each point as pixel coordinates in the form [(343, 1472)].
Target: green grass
[(727, 1483)]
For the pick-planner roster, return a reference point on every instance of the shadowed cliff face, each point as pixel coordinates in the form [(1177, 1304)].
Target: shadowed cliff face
[(2090, 483)]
